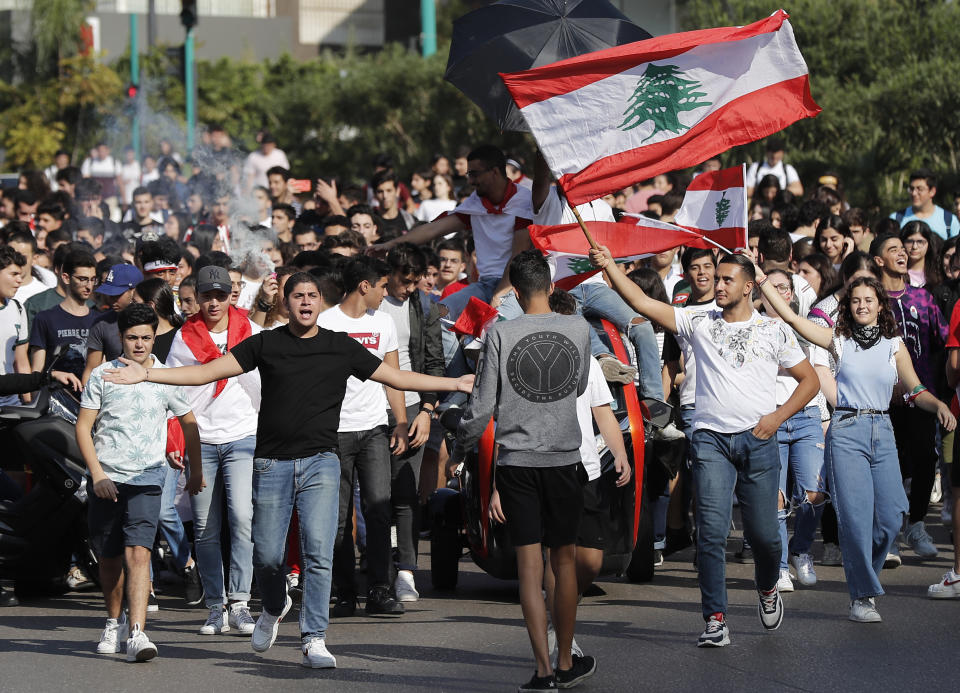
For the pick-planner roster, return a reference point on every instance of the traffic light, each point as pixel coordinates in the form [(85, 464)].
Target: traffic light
[(188, 13), (132, 91)]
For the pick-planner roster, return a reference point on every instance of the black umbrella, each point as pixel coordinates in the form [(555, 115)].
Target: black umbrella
[(513, 35)]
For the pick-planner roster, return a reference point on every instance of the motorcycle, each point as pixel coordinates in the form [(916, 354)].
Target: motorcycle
[(458, 513), (42, 532)]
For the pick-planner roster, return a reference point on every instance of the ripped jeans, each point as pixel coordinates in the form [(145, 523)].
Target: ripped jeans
[(802, 454)]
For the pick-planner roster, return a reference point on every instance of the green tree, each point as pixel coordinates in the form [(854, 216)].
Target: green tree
[(55, 28), (662, 93)]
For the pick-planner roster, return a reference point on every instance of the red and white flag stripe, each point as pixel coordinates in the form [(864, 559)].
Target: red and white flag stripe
[(567, 250), (608, 119), (715, 205)]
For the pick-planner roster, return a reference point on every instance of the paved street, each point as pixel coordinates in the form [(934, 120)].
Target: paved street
[(643, 636)]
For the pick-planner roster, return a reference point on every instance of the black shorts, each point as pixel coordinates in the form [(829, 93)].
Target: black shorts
[(542, 504), (130, 521), (590, 535), (955, 462)]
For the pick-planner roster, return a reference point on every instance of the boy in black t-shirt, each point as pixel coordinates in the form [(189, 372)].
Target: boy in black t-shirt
[(304, 371)]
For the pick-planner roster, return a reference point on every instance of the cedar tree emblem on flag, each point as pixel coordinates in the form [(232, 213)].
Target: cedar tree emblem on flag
[(661, 95), (722, 210)]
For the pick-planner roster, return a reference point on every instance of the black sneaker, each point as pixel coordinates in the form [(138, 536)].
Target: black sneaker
[(582, 669), (379, 602), (152, 603), (345, 607), (193, 588), (745, 554), (538, 683), (657, 558), (8, 598)]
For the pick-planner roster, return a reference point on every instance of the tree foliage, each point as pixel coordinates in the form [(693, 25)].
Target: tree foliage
[(884, 72)]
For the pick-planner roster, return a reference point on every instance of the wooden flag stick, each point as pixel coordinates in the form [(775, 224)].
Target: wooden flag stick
[(583, 227)]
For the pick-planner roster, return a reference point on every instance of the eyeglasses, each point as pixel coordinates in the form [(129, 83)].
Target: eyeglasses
[(915, 241), (917, 188), (783, 288), (83, 280)]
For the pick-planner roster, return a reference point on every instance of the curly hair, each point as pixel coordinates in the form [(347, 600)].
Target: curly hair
[(885, 320)]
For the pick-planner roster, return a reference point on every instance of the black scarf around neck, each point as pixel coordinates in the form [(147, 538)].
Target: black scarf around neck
[(866, 336)]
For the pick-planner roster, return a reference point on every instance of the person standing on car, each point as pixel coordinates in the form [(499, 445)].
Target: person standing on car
[(739, 354)]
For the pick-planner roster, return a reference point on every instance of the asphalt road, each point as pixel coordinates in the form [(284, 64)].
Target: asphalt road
[(642, 635)]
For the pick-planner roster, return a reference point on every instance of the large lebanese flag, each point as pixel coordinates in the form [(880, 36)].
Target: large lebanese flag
[(610, 118), (715, 205), (567, 251)]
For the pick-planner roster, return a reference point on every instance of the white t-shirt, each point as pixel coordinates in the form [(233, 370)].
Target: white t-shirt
[(257, 164), (399, 311), (100, 168), (784, 172), (13, 332), (597, 394), (495, 226), (37, 286), (555, 211), (130, 175), (688, 387), (786, 383), (431, 209), (804, 293), (365, 402), (230, 416), (737, 366)]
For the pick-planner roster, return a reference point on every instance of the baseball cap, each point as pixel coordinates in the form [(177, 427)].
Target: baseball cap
[(211, 278), (120, 279)]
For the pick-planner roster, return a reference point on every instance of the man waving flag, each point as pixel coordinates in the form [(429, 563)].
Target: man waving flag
[(607, 119)]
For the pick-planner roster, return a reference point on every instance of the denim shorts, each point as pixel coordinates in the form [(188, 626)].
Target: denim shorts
[(131, 520)]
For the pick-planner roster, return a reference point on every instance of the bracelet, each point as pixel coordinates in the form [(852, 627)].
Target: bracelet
[(917, 391), (147, 378), (763, 281), (263, 306), (423, 407)]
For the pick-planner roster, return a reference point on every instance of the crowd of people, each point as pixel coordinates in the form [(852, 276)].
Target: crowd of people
[(276, 349)]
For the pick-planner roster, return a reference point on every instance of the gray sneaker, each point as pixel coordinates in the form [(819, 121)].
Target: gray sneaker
[(864, 610), (139, 647), (831, 554), (265, 632), (240, 619), (919, 541), (806, 575)]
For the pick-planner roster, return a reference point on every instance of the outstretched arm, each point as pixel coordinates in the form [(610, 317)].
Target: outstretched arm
[(418, 382), (926, 399), (813, 333), (219, 369), (661, 313), (422, 234)]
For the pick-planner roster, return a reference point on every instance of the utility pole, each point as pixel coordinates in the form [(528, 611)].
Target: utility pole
[(134, 89), (428, 28), (151, 24)]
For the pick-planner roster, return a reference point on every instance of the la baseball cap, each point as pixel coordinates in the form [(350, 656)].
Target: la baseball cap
[(212, 278), (120, 279)]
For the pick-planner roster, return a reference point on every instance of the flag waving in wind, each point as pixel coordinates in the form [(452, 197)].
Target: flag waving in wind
[(715, 205), (567, 250), (610, 118)]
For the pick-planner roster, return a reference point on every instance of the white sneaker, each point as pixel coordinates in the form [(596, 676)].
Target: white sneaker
[(239, 617), (947, 588), (806, 575), (77, 579), (215, 623), (405, 587), (265, 632), (893, 559), (293, 581), (552, 650), (919, 541), (831, 554), (139, 647), (785, 584), (668, 432), (864, 610), (575, 649), (317, 656), (936, 493), (114, 635)]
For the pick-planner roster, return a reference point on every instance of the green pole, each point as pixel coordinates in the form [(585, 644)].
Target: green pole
[(135, 80), (190, 86), (428, 28)]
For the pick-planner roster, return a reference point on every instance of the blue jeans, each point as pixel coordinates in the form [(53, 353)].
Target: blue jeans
[(867, 493), (801, 450), (311, 485), (228, 473), (724, 463), (171, 527), (599, 300)]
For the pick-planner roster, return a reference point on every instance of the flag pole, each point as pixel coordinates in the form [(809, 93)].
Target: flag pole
[(576, 214)]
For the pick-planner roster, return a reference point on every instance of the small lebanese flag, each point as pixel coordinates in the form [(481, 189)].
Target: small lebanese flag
[(610, 118), (476, 318), (715, 206), (567, 250)]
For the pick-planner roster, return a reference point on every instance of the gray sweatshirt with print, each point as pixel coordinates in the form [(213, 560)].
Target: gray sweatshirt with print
[(531, 372)]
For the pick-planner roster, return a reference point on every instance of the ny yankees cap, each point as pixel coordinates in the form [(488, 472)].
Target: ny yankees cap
[(211, 278)]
